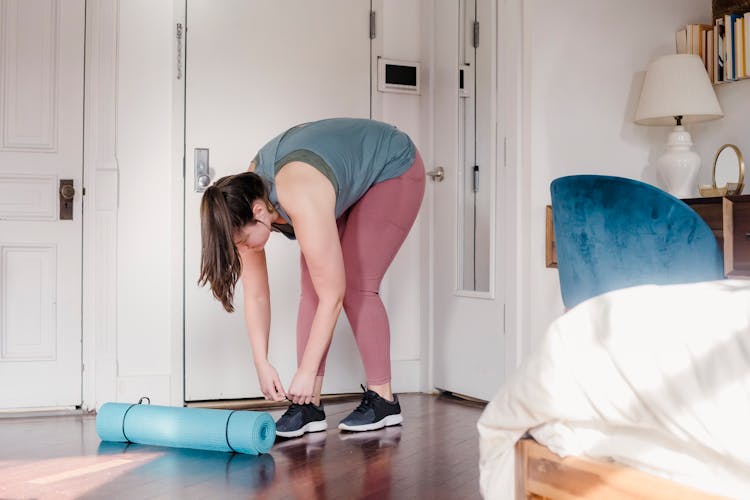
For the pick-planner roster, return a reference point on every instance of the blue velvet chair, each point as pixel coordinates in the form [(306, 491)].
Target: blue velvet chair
[(613, 233)]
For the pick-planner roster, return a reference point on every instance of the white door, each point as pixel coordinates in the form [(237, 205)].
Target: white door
[(41, 143), (468, 306), (254, 69)]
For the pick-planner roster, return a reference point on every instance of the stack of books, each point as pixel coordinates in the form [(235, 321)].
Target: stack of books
[(723, 46)]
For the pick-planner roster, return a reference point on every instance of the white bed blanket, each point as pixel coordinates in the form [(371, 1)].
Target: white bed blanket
[(656, 377)]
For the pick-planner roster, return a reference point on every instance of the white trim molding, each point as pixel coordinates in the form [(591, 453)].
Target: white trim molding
[(177, 222), (513, 54), (100, 175)]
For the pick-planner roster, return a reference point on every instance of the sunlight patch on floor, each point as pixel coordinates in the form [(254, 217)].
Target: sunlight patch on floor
[(67, 477)]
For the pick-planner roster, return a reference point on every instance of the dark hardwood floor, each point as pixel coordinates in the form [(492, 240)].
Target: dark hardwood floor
[(434, 455)]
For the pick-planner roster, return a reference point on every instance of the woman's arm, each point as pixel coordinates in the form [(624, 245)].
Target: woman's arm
[(309, 199), (258, 319)]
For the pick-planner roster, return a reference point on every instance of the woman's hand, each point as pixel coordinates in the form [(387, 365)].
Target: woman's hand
[(302, 387), (270, 384)]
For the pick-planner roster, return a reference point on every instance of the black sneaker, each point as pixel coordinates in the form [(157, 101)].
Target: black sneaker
[(374, 412), (299, 419)]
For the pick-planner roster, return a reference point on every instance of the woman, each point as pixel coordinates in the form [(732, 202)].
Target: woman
[(348, 190)]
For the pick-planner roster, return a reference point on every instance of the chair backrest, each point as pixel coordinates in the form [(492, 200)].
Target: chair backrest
[(613, 233)]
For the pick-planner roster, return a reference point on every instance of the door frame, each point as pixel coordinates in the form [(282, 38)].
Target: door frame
[(513, 158), (100, 181), (100, 208)]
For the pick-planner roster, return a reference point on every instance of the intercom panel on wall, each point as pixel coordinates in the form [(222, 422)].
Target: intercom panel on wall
[(398, 76)]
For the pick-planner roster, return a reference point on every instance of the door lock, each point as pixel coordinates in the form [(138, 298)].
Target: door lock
[(67, 192), (202, 170)]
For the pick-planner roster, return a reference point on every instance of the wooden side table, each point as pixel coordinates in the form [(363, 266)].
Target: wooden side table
[(729, 219)]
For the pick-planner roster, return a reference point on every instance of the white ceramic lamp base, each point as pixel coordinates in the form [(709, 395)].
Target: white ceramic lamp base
[(678, 166)]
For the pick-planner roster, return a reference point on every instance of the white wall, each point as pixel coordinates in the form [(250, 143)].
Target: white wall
[(584, 65), (734, 99)]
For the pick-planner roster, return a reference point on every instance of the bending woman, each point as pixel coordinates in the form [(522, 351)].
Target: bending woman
[(348, 190)]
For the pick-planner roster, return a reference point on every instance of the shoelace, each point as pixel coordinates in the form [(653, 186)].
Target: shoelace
[(367, 399)]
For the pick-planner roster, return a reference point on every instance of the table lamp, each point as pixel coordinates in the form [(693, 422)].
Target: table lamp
[(677, 90)]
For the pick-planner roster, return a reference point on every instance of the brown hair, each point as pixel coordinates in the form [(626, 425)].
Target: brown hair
[(226, 207)]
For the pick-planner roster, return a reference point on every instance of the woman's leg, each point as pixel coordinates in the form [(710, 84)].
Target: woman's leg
[(377, 225), (308, 304)]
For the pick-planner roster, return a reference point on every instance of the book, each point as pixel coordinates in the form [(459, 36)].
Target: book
[(681, 41), (746, 35), (730, 70), (739, 48), (720, 53), (699, 34), (705, 30), (695, 39), (710, 54)]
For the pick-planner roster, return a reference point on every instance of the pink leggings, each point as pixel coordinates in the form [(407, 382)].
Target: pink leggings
[(371, 233)]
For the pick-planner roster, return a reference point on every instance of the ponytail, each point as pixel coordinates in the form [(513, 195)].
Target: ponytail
[(226, 207)]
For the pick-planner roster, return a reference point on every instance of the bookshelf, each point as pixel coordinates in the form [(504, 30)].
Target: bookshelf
[(715, 84), (724, 44)]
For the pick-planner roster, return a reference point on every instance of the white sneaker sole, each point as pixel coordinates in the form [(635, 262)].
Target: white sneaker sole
[(385, 422), (317, 426)]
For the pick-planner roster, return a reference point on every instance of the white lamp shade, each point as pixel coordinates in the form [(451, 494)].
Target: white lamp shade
[(677, 85)]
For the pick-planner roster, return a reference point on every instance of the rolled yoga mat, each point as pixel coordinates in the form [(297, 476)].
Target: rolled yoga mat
[(199, 428)]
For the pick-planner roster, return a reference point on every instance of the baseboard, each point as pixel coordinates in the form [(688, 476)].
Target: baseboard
[(405, 375)]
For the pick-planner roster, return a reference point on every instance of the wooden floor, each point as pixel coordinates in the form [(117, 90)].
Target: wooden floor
[(434, 455)]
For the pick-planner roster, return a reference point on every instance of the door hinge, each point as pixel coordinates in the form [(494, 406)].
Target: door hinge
[(372, 24), (179, 50), (476, 178), (476, 34)]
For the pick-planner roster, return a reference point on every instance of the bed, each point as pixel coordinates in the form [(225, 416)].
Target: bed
[(642, 392), (542, 474)]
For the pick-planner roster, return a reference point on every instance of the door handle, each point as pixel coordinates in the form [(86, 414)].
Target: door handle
[(67, 192), (437, 174), (202, 170)]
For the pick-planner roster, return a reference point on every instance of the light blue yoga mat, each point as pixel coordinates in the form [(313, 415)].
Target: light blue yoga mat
[(199, 428)]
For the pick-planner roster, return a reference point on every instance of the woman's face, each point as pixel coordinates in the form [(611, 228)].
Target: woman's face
[(252, 236)]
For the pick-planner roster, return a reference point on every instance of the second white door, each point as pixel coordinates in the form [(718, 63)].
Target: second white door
[(254, 69), (469, 355)]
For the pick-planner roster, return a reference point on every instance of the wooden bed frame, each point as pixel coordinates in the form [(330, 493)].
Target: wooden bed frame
[(541, 474)]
